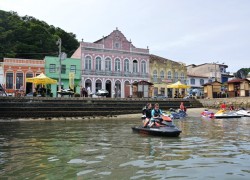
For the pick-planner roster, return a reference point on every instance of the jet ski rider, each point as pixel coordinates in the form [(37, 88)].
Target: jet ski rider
[(148, 115), (155, 113)]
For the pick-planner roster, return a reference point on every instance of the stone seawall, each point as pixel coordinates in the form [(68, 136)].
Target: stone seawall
[(40, 107), (216, 102)]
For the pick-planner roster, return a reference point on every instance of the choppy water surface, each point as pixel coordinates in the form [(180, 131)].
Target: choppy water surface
[(108, 149)]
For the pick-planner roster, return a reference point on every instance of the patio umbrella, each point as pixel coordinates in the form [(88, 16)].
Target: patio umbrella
[(178, 85), (41, 79)]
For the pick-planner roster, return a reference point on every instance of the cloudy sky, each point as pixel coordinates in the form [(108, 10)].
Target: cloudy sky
[(190, 31)]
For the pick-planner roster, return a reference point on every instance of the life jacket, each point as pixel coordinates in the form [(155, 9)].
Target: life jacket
[(157, 112)]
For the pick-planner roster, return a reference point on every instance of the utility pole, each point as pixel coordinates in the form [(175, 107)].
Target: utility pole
[(59, 43)]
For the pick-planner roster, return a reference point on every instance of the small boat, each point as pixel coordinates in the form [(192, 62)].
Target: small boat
[(167, 129), (221, 114), (207, 114), (243, 112)]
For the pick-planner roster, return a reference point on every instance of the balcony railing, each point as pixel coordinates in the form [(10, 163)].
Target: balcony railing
[(115, 73)]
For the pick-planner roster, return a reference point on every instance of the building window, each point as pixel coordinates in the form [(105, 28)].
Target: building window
[(126, 65), (117, 45), (201, 81), (88, 63), (63, 70), (29, 75), (162, 75), (117, 65), (143, 67), (135, 66), (98, 64), (52, 68), (192, 81), (73, 68), (182, 76), (169, 75), (155, 76), (108, 64), (9, 80), (176, 76), (19, 80)]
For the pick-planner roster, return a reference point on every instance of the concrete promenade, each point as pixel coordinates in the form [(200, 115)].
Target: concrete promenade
[(216, 102), (40, 107)]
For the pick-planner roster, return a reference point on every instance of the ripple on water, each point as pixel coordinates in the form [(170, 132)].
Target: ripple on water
[(84, 172)]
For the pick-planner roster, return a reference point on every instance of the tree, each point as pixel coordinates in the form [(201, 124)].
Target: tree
[(242, 73), (28, 37)]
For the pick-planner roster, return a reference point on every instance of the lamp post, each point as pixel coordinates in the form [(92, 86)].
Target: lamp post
[(59, 43)]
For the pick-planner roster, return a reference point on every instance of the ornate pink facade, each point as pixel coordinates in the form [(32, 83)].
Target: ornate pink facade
[(113, 63)]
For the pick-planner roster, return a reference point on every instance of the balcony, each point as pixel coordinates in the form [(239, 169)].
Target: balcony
[(114, 73)]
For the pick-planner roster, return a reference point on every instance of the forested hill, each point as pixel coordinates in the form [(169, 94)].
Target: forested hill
[(28, 37)]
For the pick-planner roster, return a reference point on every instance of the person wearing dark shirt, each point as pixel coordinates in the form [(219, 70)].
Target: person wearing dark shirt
[(147, 114)]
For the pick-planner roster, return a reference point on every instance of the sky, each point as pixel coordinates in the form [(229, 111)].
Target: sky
[(188, 31)]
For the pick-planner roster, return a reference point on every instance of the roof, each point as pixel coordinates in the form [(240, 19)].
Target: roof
[(161, 59), (211, 83), (237, 80), (194, 66), (143, 82)]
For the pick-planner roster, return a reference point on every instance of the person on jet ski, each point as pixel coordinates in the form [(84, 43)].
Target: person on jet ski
[(182, 107), (147, 114), (155, 113)]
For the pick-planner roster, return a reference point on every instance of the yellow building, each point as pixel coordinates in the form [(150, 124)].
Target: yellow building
[(163, 72)]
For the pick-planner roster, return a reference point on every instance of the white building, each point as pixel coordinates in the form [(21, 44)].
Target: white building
[(196, 82)]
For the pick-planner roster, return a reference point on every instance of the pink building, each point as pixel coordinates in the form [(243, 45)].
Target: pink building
[(113, 63)]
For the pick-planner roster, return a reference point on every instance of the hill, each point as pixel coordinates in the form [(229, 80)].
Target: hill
[(28, 37)]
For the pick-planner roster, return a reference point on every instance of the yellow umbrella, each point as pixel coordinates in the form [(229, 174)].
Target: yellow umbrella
[(41, 79), (178, 85)]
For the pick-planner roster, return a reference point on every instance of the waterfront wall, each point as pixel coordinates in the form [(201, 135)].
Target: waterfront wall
[(216, 102), (36, 107)]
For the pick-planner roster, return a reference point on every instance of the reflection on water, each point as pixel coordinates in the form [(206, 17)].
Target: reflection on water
[(108, 149)]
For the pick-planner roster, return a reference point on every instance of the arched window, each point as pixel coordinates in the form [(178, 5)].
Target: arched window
[(176, 76), (155, 76), (192, 81), (117, 65), (135, 66), (169, 75), (143, 67), (108, 64), (182, 76), (201, 81), (88, 63), (98, 64), (19, 80), (162, 75), (126, 65)]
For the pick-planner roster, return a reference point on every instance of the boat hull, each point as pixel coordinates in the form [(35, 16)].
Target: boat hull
[(227, 116), (166, 131)]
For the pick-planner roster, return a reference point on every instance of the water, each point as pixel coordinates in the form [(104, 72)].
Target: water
[(108, 149)]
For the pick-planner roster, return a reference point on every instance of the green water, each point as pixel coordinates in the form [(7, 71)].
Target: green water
[(108, 149)]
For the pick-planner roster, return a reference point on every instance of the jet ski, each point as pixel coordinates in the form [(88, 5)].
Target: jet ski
[(221, 114), (165, 128), (176, 114), (243, 112), (207, 114)]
